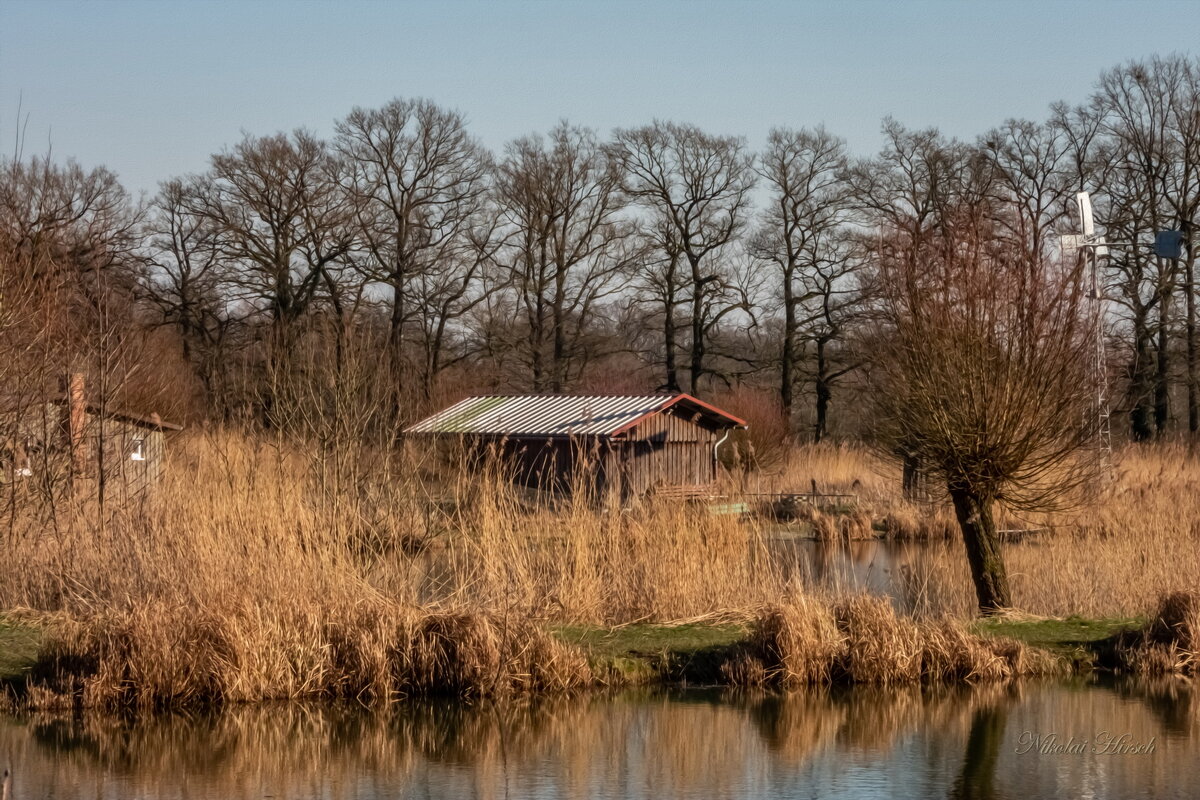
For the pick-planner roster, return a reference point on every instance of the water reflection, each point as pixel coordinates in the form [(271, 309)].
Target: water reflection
[(977, 778), (854, 743), (900, 569)]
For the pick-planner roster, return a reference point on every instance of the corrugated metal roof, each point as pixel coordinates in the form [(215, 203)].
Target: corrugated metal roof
[(555, 415)]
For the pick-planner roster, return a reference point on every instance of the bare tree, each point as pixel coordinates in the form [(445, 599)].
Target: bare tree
[(1150, 117), (905, 192), (983, 374), (909, 183), (281, 224), (662, 291), (696, 190), (419, 186), (189, 281), (1035, 181), (567, 247), (445, 296), (804, 237), (69, 238), (66, 228)]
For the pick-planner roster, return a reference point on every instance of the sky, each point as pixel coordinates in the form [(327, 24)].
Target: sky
[(152, 89)]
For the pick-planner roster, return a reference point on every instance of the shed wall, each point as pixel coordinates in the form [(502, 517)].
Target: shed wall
[(664, 450), (39, 434)]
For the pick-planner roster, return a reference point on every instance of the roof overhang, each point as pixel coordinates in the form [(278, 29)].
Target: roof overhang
[(121, 415)]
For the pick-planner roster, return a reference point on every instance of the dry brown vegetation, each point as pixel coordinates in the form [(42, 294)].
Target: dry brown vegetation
[(270, 570), (1169, 643), (861, 639), (1134, 543)]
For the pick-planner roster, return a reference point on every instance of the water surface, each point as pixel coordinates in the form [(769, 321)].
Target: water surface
[(861, 743)]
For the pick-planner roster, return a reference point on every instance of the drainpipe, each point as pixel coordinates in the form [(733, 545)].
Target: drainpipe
[(720, 442)]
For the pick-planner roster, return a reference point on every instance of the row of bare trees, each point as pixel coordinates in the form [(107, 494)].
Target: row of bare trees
[(662, 257)]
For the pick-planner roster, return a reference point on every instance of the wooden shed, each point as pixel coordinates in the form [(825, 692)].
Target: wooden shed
[(623, 446), (71, 436)]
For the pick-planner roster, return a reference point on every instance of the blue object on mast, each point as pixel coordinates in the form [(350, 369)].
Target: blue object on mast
[(1169, 244)]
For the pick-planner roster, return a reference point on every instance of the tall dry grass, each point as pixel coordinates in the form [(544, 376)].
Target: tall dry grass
[(862, 640), (237, 518), (268, 568), (259, 571), (1169, 642), (1135, 542)]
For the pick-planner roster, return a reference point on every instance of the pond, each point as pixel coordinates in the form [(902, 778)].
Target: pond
[(1081, 738), (895, 568)]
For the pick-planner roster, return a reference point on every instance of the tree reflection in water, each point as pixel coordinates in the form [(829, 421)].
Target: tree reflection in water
[(955, 742)]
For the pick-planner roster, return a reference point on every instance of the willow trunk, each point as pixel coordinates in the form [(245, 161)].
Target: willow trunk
[(983, 549)]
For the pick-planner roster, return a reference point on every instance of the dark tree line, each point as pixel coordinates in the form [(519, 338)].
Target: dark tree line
[(660, 257)]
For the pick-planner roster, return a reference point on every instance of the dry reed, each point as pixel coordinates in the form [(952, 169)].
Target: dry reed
[(272, 569), (156, 657), (861, 639), (1168, 644)]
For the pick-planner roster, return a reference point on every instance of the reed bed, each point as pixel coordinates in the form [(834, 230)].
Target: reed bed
[(264, 569), (861, 639), (1168, 644), (156, 657), (1136, 541)]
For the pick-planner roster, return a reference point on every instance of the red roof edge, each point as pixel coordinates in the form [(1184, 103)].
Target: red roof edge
[(674, 400), (152, 421)]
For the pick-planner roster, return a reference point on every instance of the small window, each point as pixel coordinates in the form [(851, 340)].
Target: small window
[(137, 450)]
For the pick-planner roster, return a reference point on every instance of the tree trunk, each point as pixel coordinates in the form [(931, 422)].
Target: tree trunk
[(1140, 383), (823, 393), (558, 377), (983, 549), (536, 367), (697, 360), (396, 350), (1162, 378), (911, 477), (669, 339), (788, 359)]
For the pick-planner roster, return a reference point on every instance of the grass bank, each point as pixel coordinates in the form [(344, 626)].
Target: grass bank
[(374, 657), (19, 643), (1079, 641)]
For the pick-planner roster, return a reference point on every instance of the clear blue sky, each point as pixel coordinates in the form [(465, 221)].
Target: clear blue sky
[(150, 89)]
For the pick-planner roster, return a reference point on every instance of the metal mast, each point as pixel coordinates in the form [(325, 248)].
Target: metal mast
[(1093, 248), (1167, 245)]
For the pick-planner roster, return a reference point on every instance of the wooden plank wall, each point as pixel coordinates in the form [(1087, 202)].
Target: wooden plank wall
[(667, 449), (123, 475)]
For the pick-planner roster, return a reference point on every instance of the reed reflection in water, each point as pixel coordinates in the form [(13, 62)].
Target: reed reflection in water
[(855, 743)]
